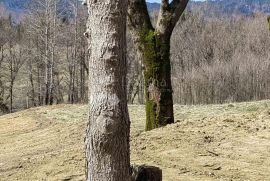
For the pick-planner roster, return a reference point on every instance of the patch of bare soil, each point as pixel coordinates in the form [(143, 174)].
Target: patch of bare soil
[(214, 142)]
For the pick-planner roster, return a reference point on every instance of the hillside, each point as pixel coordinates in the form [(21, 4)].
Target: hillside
[(213, 142)]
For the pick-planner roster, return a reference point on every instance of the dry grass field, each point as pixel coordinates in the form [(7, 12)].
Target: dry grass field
[(229, 142)]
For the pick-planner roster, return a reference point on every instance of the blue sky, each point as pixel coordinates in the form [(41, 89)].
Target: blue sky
[(157, 1)]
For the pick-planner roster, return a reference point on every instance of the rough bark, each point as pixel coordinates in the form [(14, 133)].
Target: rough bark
[(154, 45), (107, 139)]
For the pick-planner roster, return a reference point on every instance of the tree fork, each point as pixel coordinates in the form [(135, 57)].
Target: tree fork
[(154, 45)]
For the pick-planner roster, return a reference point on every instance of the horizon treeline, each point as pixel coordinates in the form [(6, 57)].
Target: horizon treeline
[(44, 58)]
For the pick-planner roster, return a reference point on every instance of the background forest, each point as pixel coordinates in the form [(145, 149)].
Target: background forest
[(215, 58)]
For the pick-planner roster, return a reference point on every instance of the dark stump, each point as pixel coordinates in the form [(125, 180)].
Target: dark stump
[(146, 173)]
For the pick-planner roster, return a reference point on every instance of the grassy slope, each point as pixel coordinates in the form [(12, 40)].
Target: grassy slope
[(213, 142)]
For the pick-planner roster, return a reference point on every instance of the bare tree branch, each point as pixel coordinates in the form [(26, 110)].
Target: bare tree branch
[(177, 9), (138, 17), (169, 15)]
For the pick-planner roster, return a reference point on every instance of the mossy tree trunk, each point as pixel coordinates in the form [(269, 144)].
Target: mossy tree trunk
[(268, 19), (154, 45), (157, 80)]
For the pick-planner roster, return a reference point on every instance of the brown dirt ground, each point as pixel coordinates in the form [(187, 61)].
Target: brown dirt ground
[(213, 142)]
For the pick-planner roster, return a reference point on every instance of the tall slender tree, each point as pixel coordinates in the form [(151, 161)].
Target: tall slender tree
[(107, 137), (153, 42), (44, 24)]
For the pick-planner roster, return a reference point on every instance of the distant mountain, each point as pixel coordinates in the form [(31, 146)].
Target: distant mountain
[(15, 4), (229, 7), (222, 7), (152, 7), (225, 7), (22, 4), (17, 7)]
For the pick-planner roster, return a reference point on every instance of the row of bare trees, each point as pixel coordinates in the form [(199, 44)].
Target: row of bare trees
[(43, 59), (61, 67), (11, 61), (44, 56), (221, 60)]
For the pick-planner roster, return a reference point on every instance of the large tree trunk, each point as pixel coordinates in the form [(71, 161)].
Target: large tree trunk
[(157, 80), (107, 139), (154, 45)]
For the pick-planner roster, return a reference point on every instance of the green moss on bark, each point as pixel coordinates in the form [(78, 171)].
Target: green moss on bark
[(156, 55), (151, 122), (268, 19)]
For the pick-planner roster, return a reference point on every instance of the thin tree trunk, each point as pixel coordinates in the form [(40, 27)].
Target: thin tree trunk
[(52, 62), (31, 79), (40, 93), (107, 139), (11, 87), (2, 55), (47, 58), (82, 78), (268, 20), (11, 68), (11, 97)]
